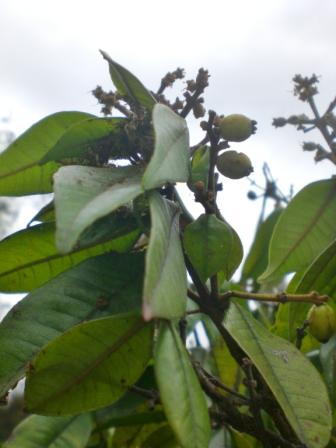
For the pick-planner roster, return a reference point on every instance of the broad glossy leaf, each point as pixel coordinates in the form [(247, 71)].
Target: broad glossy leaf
[(180, 392), (128, 85), (256, 260), (22, 270), (208, 243), (101, 286), (85, 194), (165, 283), (293, 380), (37, 431), (200, 167), (20, 173), (304, 229), (84, 139), (320, 276), (90, 366), (170, 160)]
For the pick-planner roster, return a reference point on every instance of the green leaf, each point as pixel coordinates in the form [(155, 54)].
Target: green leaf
[(256, 260), (165, 283), (84, 139), (305, 228), (293, 380), (46, 214), (51, 432), (85, 194), (208, 243), (23, 270), (20, 173), (320, 276), (163, 437), (170, 160), (227, 367), (97, 287), (200, 167), (128, 85), (328, 361), (88, 367), (180, 391)]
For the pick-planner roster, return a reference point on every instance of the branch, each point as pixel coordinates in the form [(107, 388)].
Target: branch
[(312, 297)]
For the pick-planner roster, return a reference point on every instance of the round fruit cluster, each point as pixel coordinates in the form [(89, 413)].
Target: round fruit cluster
[(235, 128)]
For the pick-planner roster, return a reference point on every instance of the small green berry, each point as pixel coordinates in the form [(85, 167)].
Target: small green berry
[(322, 322), (236, 127), (234, 165)]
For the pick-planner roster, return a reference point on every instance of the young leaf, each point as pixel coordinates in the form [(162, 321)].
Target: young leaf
[(180, 391), (293, 380), (88, 367), (50, 432), (208, 243), (256, 260), (128, 85), (165, 283), (83, 138), (200, 167), (85, 194), (20, 173), (170, 160), (305, 228), (24, 270), (97, 287)]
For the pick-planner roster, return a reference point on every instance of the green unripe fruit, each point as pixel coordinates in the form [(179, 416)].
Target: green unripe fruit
[(236, 127), (322, 322), (234, 165)]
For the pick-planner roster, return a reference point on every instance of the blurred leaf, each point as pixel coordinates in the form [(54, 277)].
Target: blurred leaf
[(180, 392), (208, 243), (51, 432), (88, 367), (161, 438), (128, 85), (303, 230), (165, 283), (20, 173), (84, 139), (256, 260), (227, 367), (200, 167), (328, 360), (46, 214), (23, 270), (170, 160), (97, 287), (283, 367), (85, 194)]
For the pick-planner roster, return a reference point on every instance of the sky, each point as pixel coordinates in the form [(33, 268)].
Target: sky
[(252, 49)]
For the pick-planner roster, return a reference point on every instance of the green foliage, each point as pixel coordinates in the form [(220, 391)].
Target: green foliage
[(122, 278)]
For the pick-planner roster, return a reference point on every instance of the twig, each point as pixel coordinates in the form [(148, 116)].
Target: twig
[(312, 297)]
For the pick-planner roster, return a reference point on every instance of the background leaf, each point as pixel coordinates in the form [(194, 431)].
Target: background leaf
[(170, 160), (304, 229), (200, 167), (95, 288), (208, 244), (84, 139), (257, 258), (293, 380), (23, 270), (88, 367), (51, 432), (165, 283), (180, 391), (128, 85), (20, 173), (85, 194)]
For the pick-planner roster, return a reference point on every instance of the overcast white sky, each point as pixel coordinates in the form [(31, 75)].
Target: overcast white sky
[(50, 62)]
